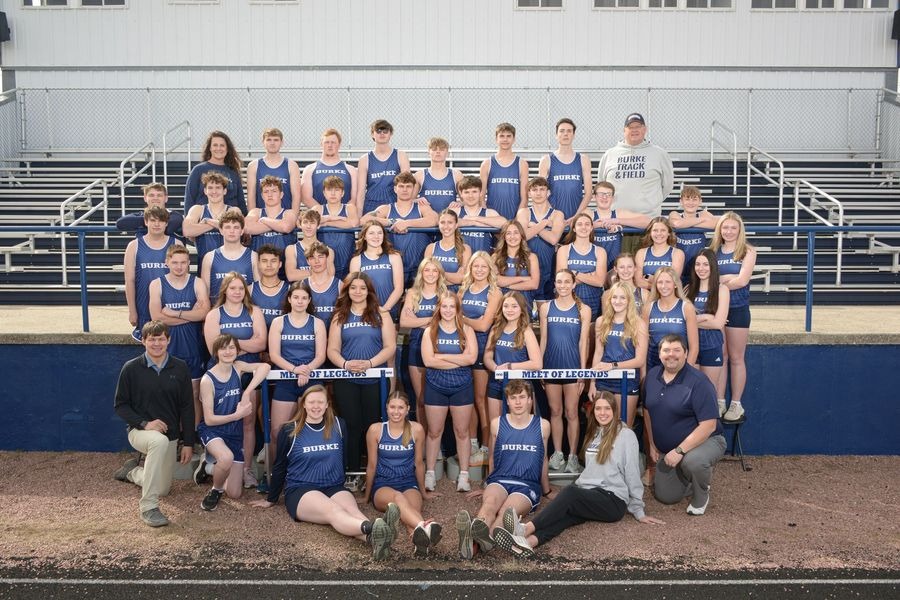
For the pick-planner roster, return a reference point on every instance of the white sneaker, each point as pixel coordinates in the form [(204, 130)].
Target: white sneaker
[(557, 461), (735, 411), (692, 510), (512, 522), (462, 484), (514, 544), (573, 466), (721, 404), (478, 458), (429, 481)]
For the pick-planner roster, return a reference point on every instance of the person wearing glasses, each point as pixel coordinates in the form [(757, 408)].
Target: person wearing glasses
[(609, 221)]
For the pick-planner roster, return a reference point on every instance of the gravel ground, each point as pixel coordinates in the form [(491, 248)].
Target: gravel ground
[(63, 512)]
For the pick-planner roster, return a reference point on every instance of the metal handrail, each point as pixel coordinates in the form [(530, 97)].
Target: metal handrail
[(8, 96), (85, 192), (151, 163), (828, 198), (166, 150), (713, 142), (779, 183)]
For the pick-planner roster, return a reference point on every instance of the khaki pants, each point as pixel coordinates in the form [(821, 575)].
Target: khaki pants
[(155, 477)]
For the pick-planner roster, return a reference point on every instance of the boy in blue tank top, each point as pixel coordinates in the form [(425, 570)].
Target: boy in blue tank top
[(473, 214), (145, 261), (518, 466), (505, 175), (437, 182), (568, 173), (338, 214), (273, 164), (376, 169), (543, 227), (271, 224), (232, 256), (329, 165), (269, 291)]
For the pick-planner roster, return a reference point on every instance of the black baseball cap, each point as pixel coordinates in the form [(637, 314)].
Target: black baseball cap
[(634, 118)]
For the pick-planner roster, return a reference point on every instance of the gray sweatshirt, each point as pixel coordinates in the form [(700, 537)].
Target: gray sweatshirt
[(643, 176), (620, 474)]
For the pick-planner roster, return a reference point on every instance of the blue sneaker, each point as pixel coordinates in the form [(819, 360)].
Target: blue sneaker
[(136, 335)]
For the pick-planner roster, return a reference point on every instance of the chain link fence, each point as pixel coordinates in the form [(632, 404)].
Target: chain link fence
[(678, 119), (9, 126), (889, 132)]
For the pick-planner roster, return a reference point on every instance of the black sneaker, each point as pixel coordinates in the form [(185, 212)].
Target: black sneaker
[(200, 474), (211, 500)]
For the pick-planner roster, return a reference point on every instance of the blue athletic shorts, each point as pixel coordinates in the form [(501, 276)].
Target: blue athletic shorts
[(292, 497), (739, 316), (436, 397), (531, 492)]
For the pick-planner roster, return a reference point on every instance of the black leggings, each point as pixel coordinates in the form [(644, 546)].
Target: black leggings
[(360, 406), (574, 506)]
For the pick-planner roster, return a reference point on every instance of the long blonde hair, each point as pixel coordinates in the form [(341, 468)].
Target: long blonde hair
[(458, 320), (468, 280), (415, 291), (740, 245), (632, 320), (299, 418), (654, 291)]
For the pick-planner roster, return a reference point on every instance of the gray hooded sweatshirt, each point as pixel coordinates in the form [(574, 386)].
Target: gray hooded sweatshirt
[(642, 174)]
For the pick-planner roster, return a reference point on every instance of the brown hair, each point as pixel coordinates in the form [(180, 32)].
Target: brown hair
[(500, 321), (155, 186), (371, 314), (271, 180), (458, 319), (407, 428), (154, 328), (608, 434), (333, 182), (272, 132), (405, 177), (501, 253), (303, 284), (226, 281), (232, 216), (647, 241), (214, 177), (232, 158), (221, 341), (469, 181), (156, 212)]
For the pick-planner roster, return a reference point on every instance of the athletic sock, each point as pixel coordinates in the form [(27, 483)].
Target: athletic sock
[(366, 527)]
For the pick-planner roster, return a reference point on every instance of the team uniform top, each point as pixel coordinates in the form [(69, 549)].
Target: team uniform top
[(149, 264), (271, 305), (512, 271), (477, 240), (282, 172), (193, 189), (448, 259), (586, 263), (728, 266), (222, 266), (691, 244), (309, 460), (662, 324), (616, 350), (341, 244), (298, 342), (380, 181), (396, 466), (185, 339), (381, 272), (360, 341), (519, 456), (474, 305), (210, 240), (411, 245), (652, 262), (505, 351), (566, 184), (427, 306), (611, 242), (546, 254), (241, 327), (709, 338), (325, 300), (503, 190), (322, 171), (226, 395), (439, 192), (563, 334), (449, 380), (275, 238)]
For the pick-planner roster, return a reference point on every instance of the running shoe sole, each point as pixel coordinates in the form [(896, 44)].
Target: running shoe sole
[(392, 518), (421, 541), (464, 529), (381, 539), (515, 545), (482, 535)]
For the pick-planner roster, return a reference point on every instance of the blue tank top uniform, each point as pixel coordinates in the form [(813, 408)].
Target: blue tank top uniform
[(503, 188), (427, 306), (439, 192), (740, 297), (325, 300), (566, 181), (380, 181), (322, 171), (209, 241), (563, 335), (691, 244), (222, 266), (282, 172), (710, 339), (586, 263), (652, 262), (226, 395), (477, 240), (298, 347), (273, 238), (186, 339), (449, 381), (513, 271), (382, 274), (449, 260), (611, 242), (149, 264), (474, 305), (300, 251), (241, 327), (505, 351), (341, 243), (360, 341), (662, 324), (270, 303), (519, 459), (396, 467), (546, 254), (617, 350), (411, 246)]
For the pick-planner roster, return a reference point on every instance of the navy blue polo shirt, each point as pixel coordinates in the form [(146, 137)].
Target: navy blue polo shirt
[(677, 407)]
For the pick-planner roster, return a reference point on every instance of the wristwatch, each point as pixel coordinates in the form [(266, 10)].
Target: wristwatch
[(679, 450), (615, 365)]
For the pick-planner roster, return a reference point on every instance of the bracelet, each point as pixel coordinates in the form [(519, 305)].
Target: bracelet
[(370, 364), (345, 365), (179, 314)]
